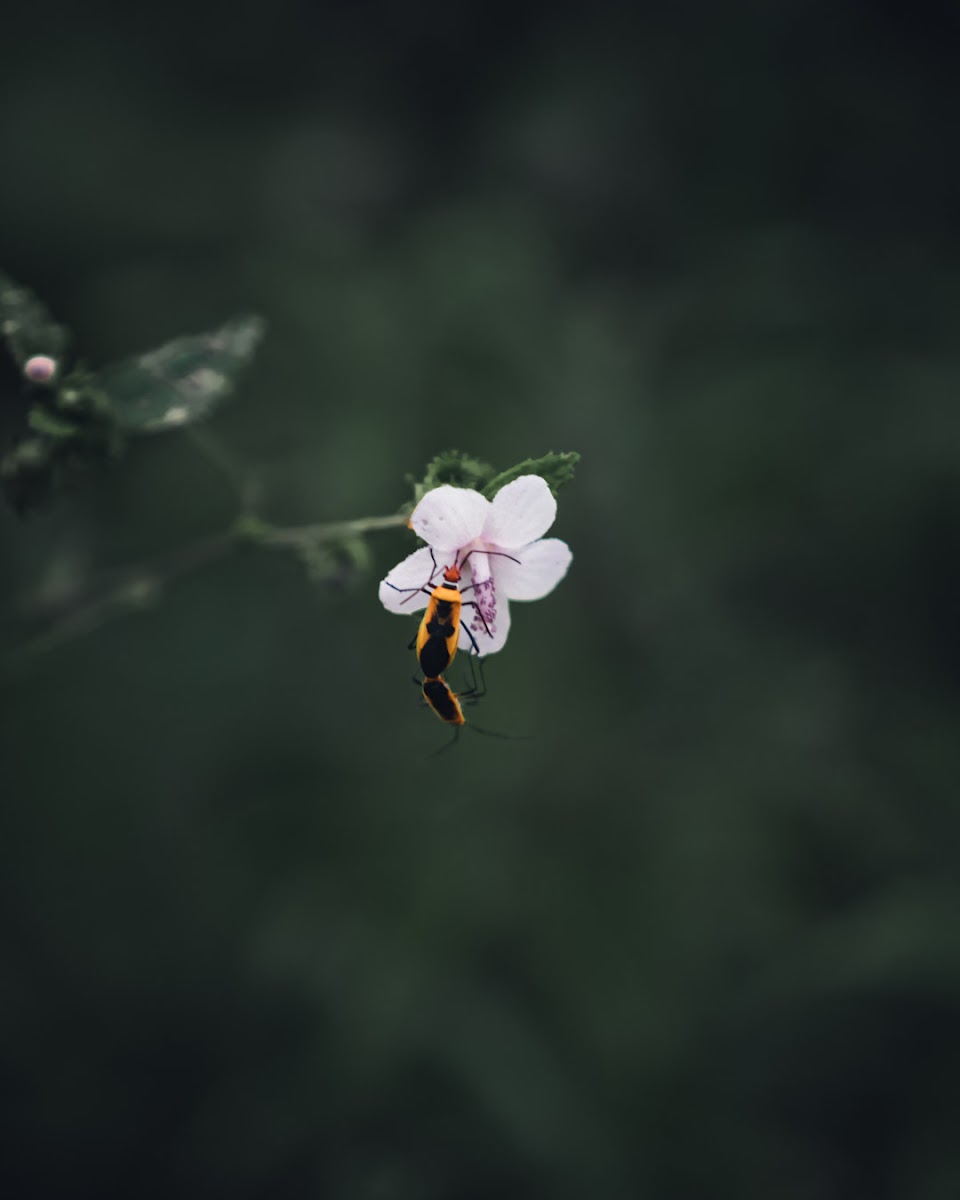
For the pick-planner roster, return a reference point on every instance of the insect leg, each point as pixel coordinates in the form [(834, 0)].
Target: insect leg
[(473, 640), (477, 690), (492, 554), (427, 591), (447, 745), (506, 737)]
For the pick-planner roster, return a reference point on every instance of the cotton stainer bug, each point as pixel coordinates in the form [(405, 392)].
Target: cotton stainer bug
[(443, 700), (439, 631), (447, 704)]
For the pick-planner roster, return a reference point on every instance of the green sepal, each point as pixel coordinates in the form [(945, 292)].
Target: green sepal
[(25, 324), (181, 382), (556, 468)]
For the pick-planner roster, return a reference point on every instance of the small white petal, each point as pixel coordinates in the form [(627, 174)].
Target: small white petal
[(542, 565), (413, 572), (450, 517), (488, 644), (521, 512)]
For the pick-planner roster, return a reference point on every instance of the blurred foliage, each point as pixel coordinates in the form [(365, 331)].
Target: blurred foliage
[(181, 382), (26, 327), (77, 419), (696, 939)]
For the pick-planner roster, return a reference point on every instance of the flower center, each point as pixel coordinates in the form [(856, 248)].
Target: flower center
[(485, 614)]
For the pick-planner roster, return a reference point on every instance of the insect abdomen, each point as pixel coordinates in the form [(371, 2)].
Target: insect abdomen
[(443, 702)]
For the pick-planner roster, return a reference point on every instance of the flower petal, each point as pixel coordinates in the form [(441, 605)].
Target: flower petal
[(450, 517), (414, 572), (542, 565), (521, 512), (488, 643)]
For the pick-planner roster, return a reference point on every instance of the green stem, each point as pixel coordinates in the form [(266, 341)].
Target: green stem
[(302, 535), (139, 587)]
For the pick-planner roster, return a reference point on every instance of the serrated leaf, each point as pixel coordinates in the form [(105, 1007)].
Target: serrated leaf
[(181, 382), (25, 324), (556, 469), (451, 467)]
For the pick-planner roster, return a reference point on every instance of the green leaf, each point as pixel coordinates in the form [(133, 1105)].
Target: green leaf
[(181, 382), (454, 468), (26, 326), (42, 421), (556, 469), (337, 562)]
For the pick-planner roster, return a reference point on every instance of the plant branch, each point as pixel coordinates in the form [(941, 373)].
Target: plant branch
[(138, 588), (295, 536)]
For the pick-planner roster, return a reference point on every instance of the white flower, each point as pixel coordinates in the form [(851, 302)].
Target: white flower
[(497, 544)]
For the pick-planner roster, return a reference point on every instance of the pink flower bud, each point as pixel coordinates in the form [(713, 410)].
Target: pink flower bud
[(40, 369)]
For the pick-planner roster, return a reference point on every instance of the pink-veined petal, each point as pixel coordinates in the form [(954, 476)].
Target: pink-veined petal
[(520, 513), (488, 643), (450, 517), (542, 565), (413, 572)]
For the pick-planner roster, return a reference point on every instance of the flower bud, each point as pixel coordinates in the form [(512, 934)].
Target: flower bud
[(41, 368)]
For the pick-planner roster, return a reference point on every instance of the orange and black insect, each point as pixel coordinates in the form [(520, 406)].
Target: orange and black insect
[(448, 705), (439, 632), (444, 701)]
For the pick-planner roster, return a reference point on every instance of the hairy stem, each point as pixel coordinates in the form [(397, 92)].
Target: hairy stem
[(137, 588), (301, 535)]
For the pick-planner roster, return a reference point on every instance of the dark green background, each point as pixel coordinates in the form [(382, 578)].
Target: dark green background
[(699, 938)]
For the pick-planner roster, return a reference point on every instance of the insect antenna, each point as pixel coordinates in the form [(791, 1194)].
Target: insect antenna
[(446, 745), (507, 737), (492, 554)]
